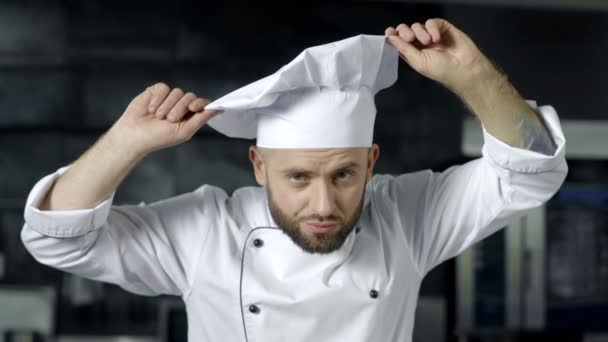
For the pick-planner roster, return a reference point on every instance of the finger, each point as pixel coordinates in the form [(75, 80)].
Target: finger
[(406, 33), (409, 52), (390, 31), (198, 104), (196, 121), (158, 92), (433, 28), (443, 25), (181, 107), (421, 34), (173, 97)]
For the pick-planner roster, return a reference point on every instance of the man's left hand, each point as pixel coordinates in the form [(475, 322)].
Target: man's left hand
[(441, 52)]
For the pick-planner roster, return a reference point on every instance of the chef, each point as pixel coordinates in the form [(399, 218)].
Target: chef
[(323, 249)]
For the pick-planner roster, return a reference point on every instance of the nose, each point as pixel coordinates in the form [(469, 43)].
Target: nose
[(324, 200)]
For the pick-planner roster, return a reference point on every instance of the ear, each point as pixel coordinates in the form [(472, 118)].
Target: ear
[(257, 161), (372, 157)]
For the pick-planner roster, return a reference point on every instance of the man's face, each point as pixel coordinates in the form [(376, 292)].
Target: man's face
[(315, 195)]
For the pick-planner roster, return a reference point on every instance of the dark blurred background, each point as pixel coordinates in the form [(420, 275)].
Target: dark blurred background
[(69, 68)]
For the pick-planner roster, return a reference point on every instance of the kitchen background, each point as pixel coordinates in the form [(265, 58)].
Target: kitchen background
[(69, 68)]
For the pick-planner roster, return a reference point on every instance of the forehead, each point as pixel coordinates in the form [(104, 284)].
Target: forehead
[(310, 158)]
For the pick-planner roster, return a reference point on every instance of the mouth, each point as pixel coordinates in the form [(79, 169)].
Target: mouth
[(318, 227)]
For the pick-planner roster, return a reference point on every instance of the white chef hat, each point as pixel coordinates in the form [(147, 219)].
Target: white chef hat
[(324, 98)]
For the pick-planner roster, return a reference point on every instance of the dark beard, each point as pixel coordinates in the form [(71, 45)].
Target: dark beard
[(316, 243)]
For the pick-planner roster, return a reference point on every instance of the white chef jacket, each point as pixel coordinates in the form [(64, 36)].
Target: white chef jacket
[(243, 279)]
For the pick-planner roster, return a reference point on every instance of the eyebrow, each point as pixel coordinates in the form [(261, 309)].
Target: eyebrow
[(299, 170), (349, 166)]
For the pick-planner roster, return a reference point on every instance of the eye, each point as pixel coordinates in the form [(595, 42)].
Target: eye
[(344, 175), (298, 178)]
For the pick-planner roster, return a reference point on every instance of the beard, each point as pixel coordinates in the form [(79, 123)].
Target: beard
[(320, 243)]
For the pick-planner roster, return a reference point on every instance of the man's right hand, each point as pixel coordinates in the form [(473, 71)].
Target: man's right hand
[(157, 118), (160, 117)]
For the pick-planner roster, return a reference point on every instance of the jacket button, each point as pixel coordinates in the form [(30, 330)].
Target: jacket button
[(373, 294), (258, 243), (357, 230), (254, 309)]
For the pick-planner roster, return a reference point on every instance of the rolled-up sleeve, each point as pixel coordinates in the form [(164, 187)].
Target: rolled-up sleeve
[(443, 213), (148, 249), (62, 223), (523, 160)]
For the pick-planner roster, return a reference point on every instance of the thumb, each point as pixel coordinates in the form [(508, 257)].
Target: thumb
[(145, 96), (409, 52), (143, 99), (140, 101)]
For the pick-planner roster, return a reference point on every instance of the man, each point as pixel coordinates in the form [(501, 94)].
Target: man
[(323, 251)]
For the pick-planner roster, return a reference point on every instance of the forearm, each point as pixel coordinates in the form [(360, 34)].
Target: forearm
[(504, 113), (94, 176)]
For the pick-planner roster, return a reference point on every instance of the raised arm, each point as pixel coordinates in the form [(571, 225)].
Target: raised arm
[(70, 223), (144, 127), (441, 52), (523, 162)]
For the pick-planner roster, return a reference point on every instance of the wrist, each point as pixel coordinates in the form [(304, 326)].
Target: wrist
[(488, 90), (121, 141), (482, 80)]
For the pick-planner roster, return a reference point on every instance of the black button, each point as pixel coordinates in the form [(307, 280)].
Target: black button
[(254, 309), (258, 243), (357, 230), (373, 294)]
